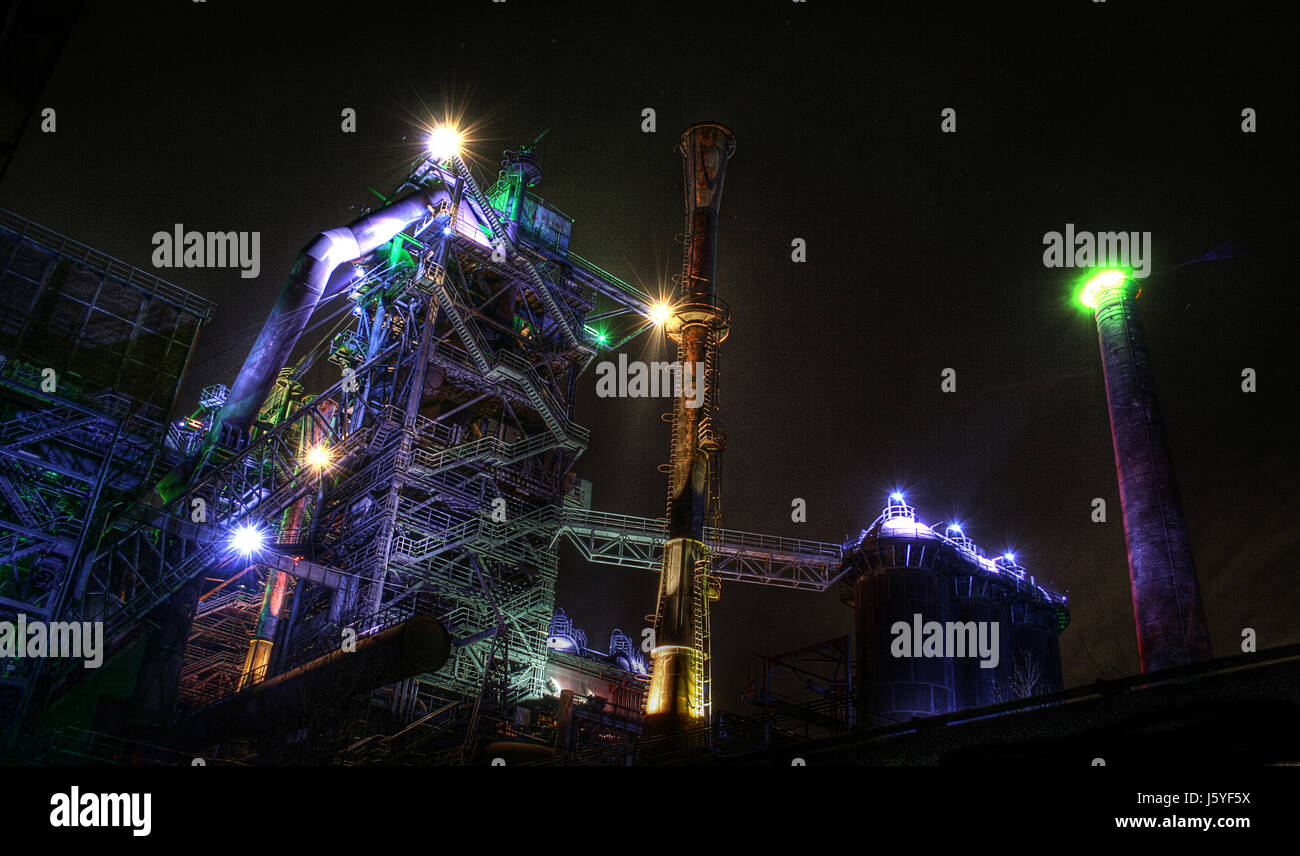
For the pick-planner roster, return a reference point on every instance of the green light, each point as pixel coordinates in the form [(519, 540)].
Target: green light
[(1103, 281), (600, 337)]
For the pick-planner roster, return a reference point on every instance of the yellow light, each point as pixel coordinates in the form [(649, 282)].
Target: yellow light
[(318, 457), (660, 313), (444, 142)]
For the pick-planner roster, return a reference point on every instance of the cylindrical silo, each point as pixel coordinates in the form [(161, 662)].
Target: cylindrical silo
[(988, 632), (899, 576)]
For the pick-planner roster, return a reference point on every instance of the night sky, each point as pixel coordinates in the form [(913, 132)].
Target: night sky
[(924, 250)]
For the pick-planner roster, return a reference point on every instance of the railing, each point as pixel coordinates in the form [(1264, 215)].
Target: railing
[(84, 744), (120, 270), (611, 286), (731, 737), (494, 450), (422, 729), (740, 556), (242, 597), (540, 286), (1000, 569)]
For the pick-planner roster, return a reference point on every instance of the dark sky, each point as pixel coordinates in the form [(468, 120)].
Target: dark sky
[(924, 249)]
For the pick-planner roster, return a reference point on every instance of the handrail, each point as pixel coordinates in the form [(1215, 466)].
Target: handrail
[(731, 539), (116, 268)]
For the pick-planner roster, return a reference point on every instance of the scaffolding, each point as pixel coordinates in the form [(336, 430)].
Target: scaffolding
[(450, 449), (442, 484), (92, 353)]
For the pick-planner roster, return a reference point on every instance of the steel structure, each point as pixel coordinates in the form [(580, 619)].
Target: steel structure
[(218, 645), (794, 680), (92, 353), (433, 478), (744, 557), (448, 441)]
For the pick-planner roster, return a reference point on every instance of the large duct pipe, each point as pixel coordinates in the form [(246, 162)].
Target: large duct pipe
[(304, 290), (1167, 606), (417, 645), (676, 698)]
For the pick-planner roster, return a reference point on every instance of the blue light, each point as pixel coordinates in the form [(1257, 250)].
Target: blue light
[(955, 527), (247, 539), (1010, 557), (896, 496), (446, 230)]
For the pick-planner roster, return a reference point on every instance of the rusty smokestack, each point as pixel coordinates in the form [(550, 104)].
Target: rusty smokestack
[(698, 323), (1170, 619)]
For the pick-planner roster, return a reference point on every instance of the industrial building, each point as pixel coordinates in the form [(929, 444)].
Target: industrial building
[(365, 573), (899, 567)]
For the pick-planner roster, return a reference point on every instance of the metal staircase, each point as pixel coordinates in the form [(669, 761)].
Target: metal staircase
[(499, 239)]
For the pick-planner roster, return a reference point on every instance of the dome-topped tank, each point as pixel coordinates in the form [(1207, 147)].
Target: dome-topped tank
[(941, 627)]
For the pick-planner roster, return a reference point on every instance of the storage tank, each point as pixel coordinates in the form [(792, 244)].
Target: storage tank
[(941, 627), (898, 574)]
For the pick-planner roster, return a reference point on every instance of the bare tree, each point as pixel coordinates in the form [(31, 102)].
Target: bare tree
[(1026, 677)]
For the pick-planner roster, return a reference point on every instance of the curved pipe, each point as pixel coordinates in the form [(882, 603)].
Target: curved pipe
[(307, 284)]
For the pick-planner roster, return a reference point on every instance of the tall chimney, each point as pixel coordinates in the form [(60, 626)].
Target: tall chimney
[(1166, 598), (678, 694)]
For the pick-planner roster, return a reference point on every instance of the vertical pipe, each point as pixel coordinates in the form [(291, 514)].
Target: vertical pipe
[(1167, 606), (258, 658), (257, 661), (564, 726)]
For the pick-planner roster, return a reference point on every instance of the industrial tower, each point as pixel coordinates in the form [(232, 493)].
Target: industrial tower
[(1167, 606), (699, 322), (412, 508), (427, 482)]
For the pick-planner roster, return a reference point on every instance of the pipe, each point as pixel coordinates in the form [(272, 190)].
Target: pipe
[(676, 699), (257, 661), (1167, 605), (304, 290), (417, 645)]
